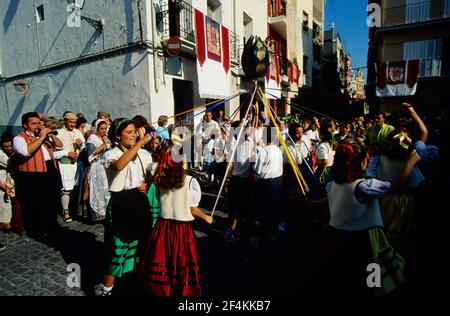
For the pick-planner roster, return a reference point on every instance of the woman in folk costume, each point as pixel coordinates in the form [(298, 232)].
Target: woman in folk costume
[(170, 265), (355, 237), (399, 208), (98, 197), (128, 219)]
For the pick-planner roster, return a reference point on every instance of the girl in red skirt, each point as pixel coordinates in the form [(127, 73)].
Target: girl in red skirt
[(170, 265)]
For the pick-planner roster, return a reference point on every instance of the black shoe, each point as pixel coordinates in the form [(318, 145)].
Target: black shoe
[(2, 247)]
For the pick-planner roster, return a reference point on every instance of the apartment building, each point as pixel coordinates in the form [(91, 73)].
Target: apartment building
[(413, 30), (116, 57), (296, 29), (334, 62)]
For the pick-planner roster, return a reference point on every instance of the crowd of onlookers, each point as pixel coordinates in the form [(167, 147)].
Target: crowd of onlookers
[(363, 180)]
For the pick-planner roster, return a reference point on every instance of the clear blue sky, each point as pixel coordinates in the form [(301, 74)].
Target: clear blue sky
[(349, 17)]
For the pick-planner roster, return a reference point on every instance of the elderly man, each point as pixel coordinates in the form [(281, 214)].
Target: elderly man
[(73, 142), (37, 182)]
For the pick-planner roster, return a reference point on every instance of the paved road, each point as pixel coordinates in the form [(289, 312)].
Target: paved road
[(282, 267), (29, 267), (32, 268)]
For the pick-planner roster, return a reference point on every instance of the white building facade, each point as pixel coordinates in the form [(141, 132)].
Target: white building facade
[(118, 62)]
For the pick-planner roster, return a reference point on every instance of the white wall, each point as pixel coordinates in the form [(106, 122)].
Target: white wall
[(163, 100), (116, 85), (257, 11), (123, 85), (31, 45), (307, 45)]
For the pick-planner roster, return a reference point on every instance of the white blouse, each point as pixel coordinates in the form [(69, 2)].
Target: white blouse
[(295, 150), (324, 152), (176, 203), (135, 170), (96, 142)]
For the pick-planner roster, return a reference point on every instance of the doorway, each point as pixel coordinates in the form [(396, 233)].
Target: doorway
[(183, 98)]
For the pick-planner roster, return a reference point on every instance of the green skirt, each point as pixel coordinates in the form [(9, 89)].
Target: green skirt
[(120, 255), (155, 207)]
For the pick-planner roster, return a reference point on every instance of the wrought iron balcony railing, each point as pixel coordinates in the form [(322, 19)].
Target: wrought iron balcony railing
[(418, 12), (176, 18)]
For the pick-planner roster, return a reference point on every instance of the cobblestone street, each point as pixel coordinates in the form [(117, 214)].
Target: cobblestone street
[(31, 268), (281, 267)]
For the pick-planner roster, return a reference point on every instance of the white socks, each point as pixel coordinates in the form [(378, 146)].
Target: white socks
[(65, 200)]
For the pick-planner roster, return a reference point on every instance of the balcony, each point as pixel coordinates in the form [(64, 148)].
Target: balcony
[(278, 21), (422, 12), (177, 19)]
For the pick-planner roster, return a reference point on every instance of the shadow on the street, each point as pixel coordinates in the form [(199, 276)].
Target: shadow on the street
[(83, 249)]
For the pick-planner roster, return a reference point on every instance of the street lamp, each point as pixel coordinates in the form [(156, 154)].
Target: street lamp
[(78, 5)]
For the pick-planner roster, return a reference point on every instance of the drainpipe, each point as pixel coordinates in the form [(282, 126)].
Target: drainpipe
[(155, 52), (234, 16), (236, 45)]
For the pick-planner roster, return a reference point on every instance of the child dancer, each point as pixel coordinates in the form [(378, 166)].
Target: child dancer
[(355, 221), (128, 218), (170, 265)]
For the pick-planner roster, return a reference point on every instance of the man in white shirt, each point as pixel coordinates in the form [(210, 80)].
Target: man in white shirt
[(269, 186), (38, 182), (209, 127), (73, 142), (238, 187)]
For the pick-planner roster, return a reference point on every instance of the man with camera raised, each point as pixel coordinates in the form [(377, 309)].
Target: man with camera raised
[(38, 182)]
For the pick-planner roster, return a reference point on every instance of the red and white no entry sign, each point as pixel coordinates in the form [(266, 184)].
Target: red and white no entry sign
[(174, 46)]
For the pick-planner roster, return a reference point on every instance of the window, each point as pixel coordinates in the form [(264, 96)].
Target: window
[(429, 52), (447, 9), (417, 11), (305, 65), (40, 13), (305, 21)]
